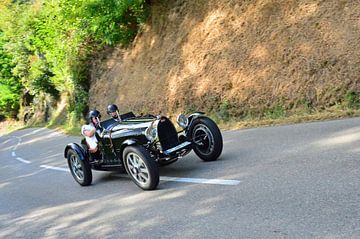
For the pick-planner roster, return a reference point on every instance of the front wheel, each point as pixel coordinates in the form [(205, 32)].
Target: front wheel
[(141, 167), (207, 138), (80, 170)]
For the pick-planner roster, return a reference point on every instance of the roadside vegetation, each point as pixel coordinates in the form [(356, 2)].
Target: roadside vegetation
[(46, 48)]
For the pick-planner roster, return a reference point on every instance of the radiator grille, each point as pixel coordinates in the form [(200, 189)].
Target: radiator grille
[(168, 136)]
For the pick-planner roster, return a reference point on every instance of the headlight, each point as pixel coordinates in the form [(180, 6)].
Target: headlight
[(182, 120), (151, 131)]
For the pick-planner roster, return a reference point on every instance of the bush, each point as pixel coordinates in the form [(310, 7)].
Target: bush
[(46, 46), (9, 84), (352, 100)]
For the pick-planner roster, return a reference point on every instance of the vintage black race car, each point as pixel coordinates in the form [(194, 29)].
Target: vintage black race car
[(142, 144)]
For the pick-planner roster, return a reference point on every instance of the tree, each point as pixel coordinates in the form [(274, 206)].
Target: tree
[(9, 84)]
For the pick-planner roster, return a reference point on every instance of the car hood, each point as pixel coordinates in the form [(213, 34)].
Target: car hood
[(133, 124)]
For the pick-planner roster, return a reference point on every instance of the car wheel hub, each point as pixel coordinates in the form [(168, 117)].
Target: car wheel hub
[(76, 167), (137, 168), (203, 138)]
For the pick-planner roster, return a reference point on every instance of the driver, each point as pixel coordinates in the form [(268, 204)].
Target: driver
[(90, 129), (113, 111)]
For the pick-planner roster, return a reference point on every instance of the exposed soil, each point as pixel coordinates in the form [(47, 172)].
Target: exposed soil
[(235, 57)]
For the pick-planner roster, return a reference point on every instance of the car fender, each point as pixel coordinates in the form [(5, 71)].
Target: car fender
[(195, 115), (192, 117), (78, 149), (126, 143)]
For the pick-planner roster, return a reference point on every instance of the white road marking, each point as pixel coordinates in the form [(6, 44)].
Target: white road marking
[(6, 141), (19, 142), (13, 154), (55, 168), (195, 180), (201, 180), (23, 160), (38, 130), (173, 179)]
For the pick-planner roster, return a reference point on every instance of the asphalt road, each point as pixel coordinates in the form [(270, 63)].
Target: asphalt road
[(294, 181)]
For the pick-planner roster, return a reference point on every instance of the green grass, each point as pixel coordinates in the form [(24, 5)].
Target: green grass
[(278, 112)]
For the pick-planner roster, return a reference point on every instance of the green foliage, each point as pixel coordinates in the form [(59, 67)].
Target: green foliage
[(352, 100), (48, 45), (40, 78), (8, 101), (9, 84), (276, 112), (107, 22), (224, 110)]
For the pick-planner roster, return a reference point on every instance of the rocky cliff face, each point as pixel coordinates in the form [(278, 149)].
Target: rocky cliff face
[(238, 58)]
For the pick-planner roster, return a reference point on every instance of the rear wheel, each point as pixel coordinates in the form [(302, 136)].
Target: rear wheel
[(80, 169), (207, 138), (141, 167)]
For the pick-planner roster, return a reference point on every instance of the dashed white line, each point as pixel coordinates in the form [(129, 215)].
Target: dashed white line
[(55, 168), (19, 142), (22, 160), (14, 154)]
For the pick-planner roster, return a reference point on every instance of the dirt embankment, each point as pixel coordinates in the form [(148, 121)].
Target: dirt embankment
[(238, 58)]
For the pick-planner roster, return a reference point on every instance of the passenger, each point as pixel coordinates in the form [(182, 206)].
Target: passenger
[(90, 129), (113, 111)]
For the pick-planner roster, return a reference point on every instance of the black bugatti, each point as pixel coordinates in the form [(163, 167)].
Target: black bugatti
[(141, 144)]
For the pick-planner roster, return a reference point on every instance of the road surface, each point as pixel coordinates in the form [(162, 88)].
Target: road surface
[(293, 181)]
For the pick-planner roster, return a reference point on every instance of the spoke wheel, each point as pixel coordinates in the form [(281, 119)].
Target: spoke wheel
[(76, 167), (79, 169), (207, 138), (203, 139), (137, 168), (141, 167)]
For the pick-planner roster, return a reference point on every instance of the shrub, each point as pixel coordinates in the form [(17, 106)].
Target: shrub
[(52, 42)]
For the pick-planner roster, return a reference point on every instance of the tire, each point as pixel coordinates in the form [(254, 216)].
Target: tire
[(207, 138), (80, 170), (142, 169)]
